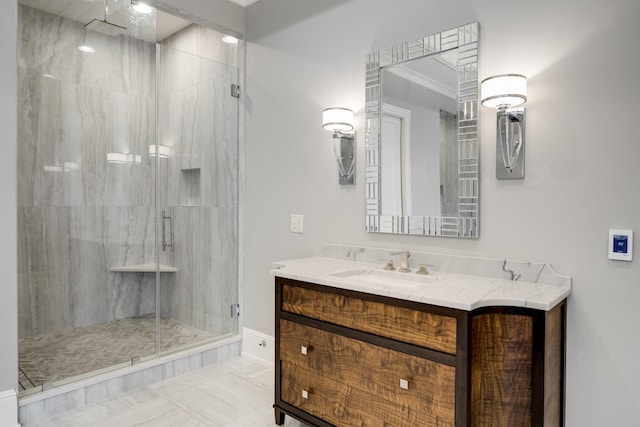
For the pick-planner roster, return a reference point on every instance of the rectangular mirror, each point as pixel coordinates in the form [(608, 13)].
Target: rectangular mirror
[(421, 145)]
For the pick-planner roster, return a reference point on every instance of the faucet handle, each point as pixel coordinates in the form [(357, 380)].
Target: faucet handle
[(389, 265), (422, 269)]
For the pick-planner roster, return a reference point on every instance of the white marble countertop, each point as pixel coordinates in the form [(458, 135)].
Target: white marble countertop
[(446, 289)]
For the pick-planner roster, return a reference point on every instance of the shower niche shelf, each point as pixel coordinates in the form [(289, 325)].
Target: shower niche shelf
[(190, 187), (143, 268)]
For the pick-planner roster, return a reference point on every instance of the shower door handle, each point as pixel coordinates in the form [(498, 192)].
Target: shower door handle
[(167, 243)]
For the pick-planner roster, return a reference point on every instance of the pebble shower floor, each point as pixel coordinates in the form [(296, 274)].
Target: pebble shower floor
[(55, 356)]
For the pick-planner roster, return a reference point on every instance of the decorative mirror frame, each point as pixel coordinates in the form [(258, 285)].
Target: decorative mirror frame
[(465, 39)]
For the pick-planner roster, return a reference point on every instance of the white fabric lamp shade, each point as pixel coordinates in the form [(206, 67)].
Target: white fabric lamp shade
[(337, 119), (506, 90)]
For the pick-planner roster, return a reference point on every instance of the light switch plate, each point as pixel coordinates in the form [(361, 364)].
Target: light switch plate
[(621, 244), (297, 223)]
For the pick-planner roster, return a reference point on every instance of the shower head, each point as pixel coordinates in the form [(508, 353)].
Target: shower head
[(105, 27)]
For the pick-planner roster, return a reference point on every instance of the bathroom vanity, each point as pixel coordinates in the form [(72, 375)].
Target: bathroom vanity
[(359, 345)]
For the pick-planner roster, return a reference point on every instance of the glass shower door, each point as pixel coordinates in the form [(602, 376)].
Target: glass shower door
[(127, 191), (198, 195), (87, 291)]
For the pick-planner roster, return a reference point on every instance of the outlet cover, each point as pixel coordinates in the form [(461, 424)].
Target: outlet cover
[(297, 223)]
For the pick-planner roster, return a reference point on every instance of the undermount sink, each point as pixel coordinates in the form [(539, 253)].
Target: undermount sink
[(387, 279)]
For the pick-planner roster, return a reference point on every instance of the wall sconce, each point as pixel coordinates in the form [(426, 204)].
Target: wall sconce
[(505, 92), (340, 121)]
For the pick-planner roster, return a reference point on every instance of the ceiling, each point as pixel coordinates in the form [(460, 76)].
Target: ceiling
[(140, 26), (435, 72)]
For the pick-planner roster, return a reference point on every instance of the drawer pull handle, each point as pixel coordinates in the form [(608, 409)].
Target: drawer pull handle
[(404, 384), (305, 394), (305, 349)]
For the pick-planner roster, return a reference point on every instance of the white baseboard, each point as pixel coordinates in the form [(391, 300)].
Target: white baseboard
[(9, 409), (257, 345)]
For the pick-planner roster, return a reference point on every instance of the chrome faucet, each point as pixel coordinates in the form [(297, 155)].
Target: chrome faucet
[(404, 260)]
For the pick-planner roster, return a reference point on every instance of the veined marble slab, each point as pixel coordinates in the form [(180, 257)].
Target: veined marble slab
[(497, 268), (464, 289)]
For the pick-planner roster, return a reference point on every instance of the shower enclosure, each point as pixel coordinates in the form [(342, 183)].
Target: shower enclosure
[(127, 188)]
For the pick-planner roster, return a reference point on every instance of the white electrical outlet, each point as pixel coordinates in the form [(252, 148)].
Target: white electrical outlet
[(297, 223)]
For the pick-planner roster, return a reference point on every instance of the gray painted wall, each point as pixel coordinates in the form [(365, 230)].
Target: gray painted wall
[(582, 151), (8, 167)]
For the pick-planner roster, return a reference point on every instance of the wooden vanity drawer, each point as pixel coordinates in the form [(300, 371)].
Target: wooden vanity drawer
[(366, 370), (421, 328), (340, 404)]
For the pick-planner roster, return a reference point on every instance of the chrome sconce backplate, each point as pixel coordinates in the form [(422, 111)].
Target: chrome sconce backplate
[(346, 157), (510, 143), (340, 121)]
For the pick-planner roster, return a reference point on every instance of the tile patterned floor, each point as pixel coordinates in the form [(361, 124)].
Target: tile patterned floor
[(55, 356), (236, 393)]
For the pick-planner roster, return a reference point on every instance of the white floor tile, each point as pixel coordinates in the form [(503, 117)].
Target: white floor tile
[(235, 393)]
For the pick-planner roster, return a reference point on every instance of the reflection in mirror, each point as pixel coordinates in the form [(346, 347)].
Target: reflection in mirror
[(422, 161), (418, 141)]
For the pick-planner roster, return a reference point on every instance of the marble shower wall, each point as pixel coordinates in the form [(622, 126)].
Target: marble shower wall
[(79, 215), (198, 120)]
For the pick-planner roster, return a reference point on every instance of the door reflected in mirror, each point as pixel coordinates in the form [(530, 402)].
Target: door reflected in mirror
[(418, 139)]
